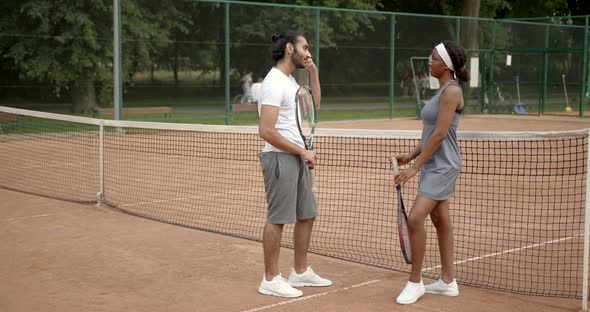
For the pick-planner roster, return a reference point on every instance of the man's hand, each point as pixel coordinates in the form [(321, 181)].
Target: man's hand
[(310, 66), (310, 157)]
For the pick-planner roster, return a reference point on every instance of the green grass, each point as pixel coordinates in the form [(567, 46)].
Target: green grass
[(27, 124), (333, 109), (246, 118)]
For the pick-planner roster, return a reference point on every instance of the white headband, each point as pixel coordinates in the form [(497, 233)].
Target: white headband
[(442, 51)]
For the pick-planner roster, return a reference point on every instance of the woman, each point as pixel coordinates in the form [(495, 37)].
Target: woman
[(439, 165)]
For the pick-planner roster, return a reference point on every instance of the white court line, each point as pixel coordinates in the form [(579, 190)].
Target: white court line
[(309, 297), (27, 217), (508, 251)]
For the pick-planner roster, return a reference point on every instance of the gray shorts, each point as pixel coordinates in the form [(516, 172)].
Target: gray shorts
[(288, 186)]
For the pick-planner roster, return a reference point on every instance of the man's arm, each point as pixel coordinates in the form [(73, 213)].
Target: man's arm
[(266, 130), (314, 83)]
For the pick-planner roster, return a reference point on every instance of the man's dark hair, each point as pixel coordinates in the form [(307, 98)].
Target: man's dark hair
[(280, 42)]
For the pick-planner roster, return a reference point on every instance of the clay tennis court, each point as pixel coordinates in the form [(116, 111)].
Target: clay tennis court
[(63, 256)]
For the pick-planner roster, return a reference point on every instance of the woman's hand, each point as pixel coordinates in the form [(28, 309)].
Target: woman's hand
[(404, 175), (402, 159)]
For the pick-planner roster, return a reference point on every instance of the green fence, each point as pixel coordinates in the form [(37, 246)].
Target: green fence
[(190, 55)]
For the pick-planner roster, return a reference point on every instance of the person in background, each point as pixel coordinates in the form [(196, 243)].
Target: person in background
[(246, 84)]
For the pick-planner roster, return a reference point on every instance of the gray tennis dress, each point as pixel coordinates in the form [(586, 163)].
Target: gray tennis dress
[(439, 173)]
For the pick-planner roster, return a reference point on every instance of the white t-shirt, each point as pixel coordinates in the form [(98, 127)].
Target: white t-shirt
[(279, 90)]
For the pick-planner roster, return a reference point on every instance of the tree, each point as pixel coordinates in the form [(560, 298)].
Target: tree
[(578, 7), (470, 33), (69, 44), (252, 27), (62, 44), (155, 29)]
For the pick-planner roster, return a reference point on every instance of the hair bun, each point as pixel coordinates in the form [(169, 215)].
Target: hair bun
[(274, 38)]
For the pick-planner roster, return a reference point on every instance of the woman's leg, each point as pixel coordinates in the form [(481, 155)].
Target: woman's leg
[(444, 229), (420, 210)]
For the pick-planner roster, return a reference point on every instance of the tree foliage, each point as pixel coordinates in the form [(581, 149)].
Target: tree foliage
[(68, 44), (57, 42)]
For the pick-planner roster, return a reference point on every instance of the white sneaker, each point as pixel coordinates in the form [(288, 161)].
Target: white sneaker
[(441, 288), (278, 287), (411, 293), (307, 278)]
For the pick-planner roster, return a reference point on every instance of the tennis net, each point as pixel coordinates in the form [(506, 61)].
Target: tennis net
[(518, 211)]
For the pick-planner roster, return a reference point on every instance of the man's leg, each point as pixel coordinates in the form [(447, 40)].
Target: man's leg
[(281, 199), (280, 189), (306, 214), (301, 274), (271, 244), (302, 236), (272, 283)]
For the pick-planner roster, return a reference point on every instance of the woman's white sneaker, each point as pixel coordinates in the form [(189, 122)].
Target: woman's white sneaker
[(411, 293), (441, 288), (279, 287)]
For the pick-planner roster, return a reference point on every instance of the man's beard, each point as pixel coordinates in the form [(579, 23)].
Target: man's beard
[(297, 60)]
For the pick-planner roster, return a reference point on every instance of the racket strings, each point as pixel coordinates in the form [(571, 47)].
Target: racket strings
[(306, 109)]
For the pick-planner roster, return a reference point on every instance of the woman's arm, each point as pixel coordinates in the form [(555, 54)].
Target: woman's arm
[(407, 158)]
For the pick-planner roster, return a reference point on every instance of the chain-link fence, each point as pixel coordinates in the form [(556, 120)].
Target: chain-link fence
[(189, 57)]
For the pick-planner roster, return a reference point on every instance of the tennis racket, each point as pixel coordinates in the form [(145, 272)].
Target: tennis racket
[(306, 115), (402, 219)]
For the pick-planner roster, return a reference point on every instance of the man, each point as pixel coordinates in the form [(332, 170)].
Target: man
[(284, 161)]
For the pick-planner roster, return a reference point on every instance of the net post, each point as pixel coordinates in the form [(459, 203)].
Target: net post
[(585, 80), (458, 29), (391, 65), (226, 28), (117, 66), (492, 64), (543, 88), (100, 194), (586, 233), (317, 37)]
